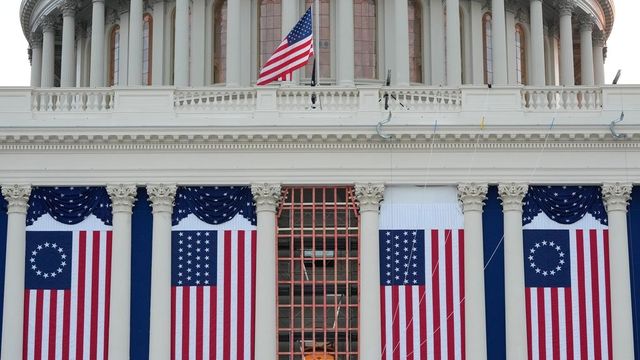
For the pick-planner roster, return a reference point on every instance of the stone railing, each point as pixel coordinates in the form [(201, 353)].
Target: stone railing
[(318, 98), (72, 100), (421, 99), (560, 98), (212, 99)]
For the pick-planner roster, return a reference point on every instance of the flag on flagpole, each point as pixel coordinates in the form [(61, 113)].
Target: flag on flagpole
[(293, 52)]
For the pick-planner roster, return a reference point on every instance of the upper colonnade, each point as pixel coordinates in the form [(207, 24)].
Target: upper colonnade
[(98, 43)]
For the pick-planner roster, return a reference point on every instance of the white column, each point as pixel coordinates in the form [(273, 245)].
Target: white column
[(161, 197), (537, 77), (48, 51), (68, 67), (586, 50), (510, 23), (345, 43), (511, 196), (477, 49), (157, 65), (499, 42), (565, 8), (96, 78), (290, 16), (17, 197), (181, 53), (234, 47), (598, 57), (197, 42), (401, 43), (122, 198), (36, 59), (454, 56), (135, 42), (616, 197), (472, 198), (437, 43), (123, 62), (266, 197), (369, 197)]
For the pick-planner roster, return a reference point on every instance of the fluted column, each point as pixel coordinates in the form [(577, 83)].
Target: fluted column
[(616, 197), (345, 43), (157, 65), (565, 8), (135, 42), (511, 196), (499, 42), (454, 56), (290, 16), (401, 43), (586, 50), (161, 197), (369, 197), (234, 47), (181, 53), (68, 67), (598, 58), (537, 77), (96, 76), (36, 59), (48, 51), (266, 197), (17, 197), (511, 8), (122, 198), (472, 198)]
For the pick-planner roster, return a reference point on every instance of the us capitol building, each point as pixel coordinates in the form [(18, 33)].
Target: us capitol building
[(482, 98)]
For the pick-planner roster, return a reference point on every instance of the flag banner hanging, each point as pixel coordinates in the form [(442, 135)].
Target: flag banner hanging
[(567, 285), (213, 274), (293, 52), (67, 274), (421, 274)]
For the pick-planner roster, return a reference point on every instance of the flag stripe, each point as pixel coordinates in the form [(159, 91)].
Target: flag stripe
[(436, 294), (607, 279)]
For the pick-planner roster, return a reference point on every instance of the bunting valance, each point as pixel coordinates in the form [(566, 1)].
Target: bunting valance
[(564, 204), (215, 204), (69, 205)]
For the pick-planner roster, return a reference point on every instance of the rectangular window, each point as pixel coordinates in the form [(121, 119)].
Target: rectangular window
[(318, 273)]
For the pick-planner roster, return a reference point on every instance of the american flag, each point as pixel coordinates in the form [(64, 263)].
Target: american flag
[(567, 293), (293, 52), (213, 294), (422, 294), (66, 302)]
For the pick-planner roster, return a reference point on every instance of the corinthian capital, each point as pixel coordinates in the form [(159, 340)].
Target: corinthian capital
[(122, 197), (369, 196), (266, 196), (616, 196), (511, 195), (48, 23), (17, 196), (472, 196), (36, 40), (162, 196), (565, 7), (586, 22), (69, 7)]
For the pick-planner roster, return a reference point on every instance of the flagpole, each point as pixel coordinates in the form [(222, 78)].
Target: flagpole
[(316, 38)]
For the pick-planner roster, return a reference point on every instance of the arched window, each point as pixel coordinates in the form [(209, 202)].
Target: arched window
[(270, 25), (147, 38), (219, 41), (415, 41), (365, 39), (114, 55), (487, 48), (324, 42), (521, 59)]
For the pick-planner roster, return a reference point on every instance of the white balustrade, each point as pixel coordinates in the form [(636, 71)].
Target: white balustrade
[(560, 98), (223, 99), (326, 99), (422, 99), (72, 100)]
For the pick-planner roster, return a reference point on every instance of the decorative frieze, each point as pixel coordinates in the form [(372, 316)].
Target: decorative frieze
[(616, 196), (17, 197), (122, 197), (266, 196), (161, 197), (511, 195), (369, 195), (472, 196)]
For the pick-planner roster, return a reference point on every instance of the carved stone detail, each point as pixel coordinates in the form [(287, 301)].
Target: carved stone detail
[(598, 38), (122, 197), (17, 196), (511, 195), (369, 196), (69, 7), (36, 40), (266, 196), (565, 7), (616, 196), (48, 23), (472, 196), (586, 22), (162, 196)]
